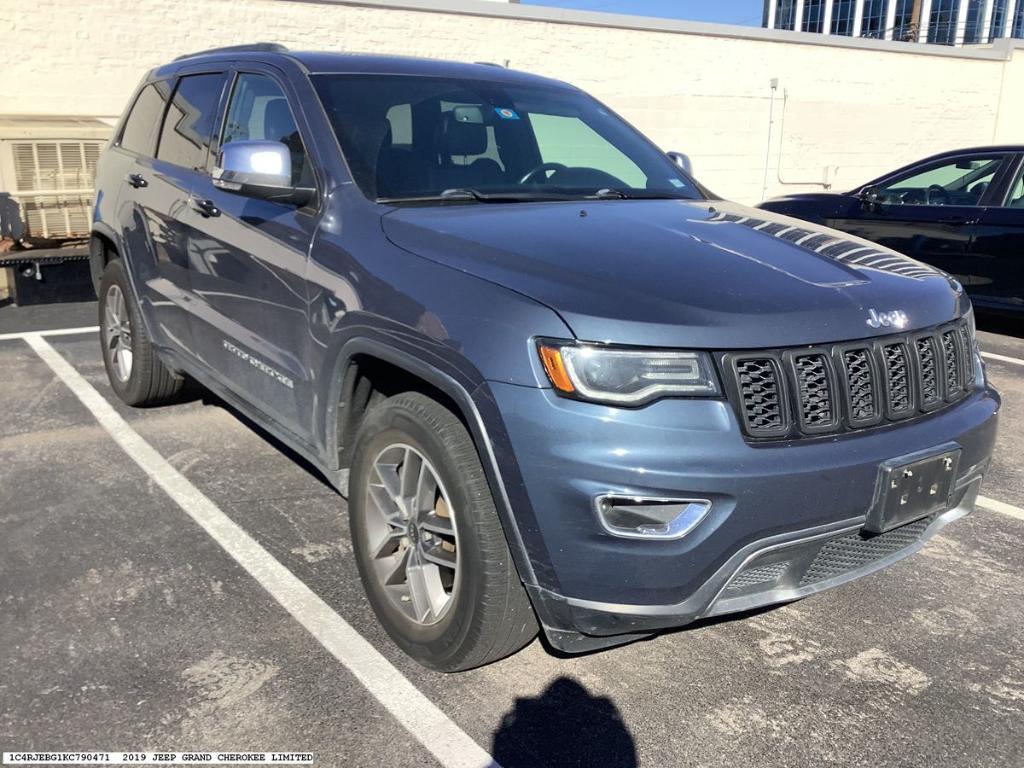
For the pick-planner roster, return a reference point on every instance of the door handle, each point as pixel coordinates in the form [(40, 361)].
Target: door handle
[(205, 208), (136, 180), (958, 220)]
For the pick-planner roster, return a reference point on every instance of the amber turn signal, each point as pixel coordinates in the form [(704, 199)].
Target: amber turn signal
[(555, 368)]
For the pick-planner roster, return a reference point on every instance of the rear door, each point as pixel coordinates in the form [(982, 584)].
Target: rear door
[(929, 212), (148, 198), (995, 274), (248, 263), (168, 144)]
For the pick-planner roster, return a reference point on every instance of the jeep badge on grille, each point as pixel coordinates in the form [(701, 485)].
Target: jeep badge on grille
[(894, 318)]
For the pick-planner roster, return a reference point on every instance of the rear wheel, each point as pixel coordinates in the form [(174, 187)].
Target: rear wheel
[(429, 545), (133, 367)]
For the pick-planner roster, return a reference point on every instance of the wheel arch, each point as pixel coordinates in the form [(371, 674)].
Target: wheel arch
[(363, 360), (102, 249)]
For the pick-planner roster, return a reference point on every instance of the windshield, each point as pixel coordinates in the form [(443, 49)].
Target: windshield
[(409, 138)]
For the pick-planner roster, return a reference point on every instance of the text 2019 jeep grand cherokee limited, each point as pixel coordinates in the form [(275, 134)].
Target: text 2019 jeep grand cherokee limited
[(560, 382)]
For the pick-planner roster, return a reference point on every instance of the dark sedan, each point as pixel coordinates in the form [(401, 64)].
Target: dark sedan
[(961, 211)]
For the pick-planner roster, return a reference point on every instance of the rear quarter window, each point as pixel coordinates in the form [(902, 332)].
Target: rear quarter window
[(143, 123)]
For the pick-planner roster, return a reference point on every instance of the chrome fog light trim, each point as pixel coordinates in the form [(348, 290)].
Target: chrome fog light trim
[(644, 517)]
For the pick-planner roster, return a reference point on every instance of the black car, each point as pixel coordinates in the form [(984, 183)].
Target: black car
[(961, 211)]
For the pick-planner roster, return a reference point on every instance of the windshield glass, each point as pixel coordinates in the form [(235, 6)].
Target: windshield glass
[(410, 137)]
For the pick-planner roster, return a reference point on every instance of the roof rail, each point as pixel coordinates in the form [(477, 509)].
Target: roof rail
[(250, 48)]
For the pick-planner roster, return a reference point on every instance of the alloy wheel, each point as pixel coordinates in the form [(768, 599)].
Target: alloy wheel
[(117, 330), (411, 534)]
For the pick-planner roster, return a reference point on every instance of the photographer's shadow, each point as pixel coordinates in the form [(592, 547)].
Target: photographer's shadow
[(564, 726)]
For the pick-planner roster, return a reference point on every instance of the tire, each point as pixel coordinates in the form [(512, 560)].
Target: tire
[(138, 377), (484, 613)]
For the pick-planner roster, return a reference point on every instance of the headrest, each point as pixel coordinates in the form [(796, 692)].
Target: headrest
[(464, 138), (278, 123)]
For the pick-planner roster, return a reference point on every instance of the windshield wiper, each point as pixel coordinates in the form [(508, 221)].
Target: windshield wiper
[(615, 193), (475, 195)]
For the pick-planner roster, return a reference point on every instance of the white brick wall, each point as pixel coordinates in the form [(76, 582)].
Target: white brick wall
[(851, 113)]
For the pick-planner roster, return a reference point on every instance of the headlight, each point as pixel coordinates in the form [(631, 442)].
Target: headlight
[(627, 376)]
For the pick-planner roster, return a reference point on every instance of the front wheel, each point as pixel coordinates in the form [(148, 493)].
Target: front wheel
[(430, 548)]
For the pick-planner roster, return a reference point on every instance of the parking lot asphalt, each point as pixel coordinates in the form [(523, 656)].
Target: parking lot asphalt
[(126, 626)]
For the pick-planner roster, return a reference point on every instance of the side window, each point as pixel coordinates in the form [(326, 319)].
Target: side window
[(1016, 197), (952, 182), (189, 125), (259, 111), (143, 123), (570, 141)]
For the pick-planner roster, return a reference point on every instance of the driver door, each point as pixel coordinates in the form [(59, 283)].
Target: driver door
[(930, 213)]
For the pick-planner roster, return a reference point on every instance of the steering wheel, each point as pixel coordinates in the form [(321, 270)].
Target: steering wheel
[(938, 192), (541, 169)]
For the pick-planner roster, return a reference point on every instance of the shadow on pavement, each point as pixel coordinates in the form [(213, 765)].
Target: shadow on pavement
[(565, 726)]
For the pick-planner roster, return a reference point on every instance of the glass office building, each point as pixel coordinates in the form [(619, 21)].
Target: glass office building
[(940, 22)]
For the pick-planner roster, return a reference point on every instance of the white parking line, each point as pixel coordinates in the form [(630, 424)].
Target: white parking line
[(54, 332), (994, 505), (420, 716), (1002, 358)]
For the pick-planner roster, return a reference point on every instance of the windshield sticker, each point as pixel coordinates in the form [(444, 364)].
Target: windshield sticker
[(676, 183), (506, 114)]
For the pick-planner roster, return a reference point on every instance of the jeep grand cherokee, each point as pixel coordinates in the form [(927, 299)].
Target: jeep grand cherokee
[(562, 385)]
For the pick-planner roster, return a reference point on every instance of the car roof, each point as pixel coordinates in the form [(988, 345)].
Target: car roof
[(331, 62), (972, 150)]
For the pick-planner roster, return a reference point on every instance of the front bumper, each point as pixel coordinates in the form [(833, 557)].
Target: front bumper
[(788, 502)]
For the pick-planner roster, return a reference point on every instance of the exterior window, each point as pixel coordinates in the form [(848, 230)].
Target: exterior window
[(785, 14), (1016, 197), (942, 22), (961, 182), (1018, 21), (999, 10), (904, 27), (842, 17), (143, 123), (975, 21), (814, 15), (873, 20), (259, 111), (188, 127)]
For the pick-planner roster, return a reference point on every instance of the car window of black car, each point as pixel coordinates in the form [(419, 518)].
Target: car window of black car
[(959, 181), (189, 124), (1016, 197)]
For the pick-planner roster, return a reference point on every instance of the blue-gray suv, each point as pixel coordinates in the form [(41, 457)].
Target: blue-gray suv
[(562, 385)]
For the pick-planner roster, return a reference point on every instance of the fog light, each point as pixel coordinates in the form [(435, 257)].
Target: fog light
[(637, 517)]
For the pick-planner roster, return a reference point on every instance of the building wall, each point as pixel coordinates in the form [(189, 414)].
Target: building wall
[(842, 112)]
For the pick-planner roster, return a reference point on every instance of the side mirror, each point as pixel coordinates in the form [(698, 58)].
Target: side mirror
[(870, 197), (683, 161), (260, 169)]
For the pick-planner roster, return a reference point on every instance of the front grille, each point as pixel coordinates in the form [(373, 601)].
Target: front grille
[(761, 574), (926, 354), (784, 394), (856, 550), (806, 563), (762, 396), (814, 391)]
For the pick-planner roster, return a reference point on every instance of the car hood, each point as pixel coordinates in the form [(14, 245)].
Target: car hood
[(677, 273)]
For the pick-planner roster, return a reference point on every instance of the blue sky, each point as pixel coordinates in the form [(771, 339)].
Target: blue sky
[(746, 12)]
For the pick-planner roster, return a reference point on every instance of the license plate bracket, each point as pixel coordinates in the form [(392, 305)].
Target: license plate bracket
[(912, 487)]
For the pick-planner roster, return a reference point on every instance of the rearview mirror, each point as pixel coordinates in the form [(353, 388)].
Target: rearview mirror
[(260, 169), (683, 161)]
